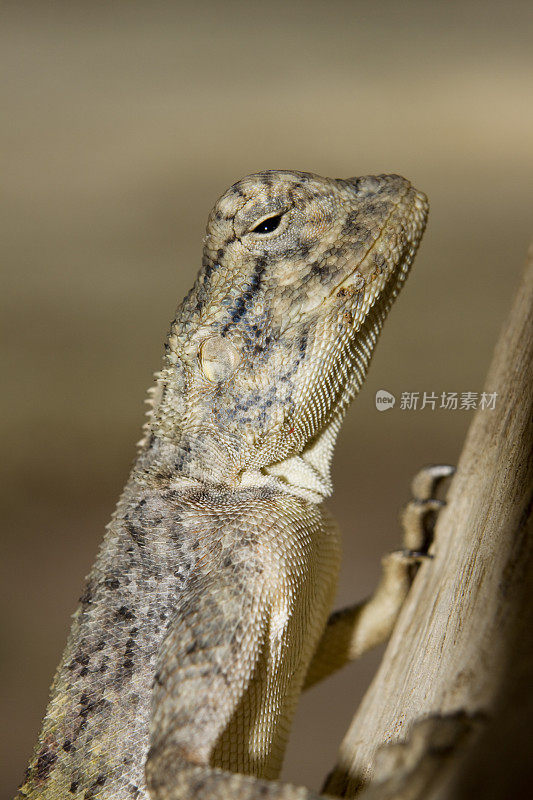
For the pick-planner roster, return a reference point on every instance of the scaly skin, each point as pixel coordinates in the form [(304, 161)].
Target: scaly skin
[(212, 588)]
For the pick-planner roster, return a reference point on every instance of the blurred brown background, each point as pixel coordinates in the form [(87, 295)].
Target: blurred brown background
[(123, 122)]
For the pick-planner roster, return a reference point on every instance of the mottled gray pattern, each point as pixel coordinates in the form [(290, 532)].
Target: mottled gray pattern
[(217, 573)]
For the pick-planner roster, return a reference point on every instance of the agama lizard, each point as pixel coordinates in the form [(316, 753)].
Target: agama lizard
[(206, 612)]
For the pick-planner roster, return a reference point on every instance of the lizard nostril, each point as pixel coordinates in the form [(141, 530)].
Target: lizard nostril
[(369, 184)]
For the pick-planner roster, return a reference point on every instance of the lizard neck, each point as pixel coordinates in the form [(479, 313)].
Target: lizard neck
[(308, 474), (203, 460)]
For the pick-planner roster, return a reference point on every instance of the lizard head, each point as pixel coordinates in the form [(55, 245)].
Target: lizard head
[(275, 337)]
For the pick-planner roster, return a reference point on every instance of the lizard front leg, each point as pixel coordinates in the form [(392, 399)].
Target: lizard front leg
[(210, 681), (352, 631)]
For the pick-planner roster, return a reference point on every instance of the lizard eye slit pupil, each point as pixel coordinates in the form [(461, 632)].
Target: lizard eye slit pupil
[(268, 225)]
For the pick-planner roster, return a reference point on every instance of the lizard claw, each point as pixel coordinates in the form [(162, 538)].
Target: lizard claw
[(418, 517)]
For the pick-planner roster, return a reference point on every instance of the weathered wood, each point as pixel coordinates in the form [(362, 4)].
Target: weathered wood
[(458, 657)]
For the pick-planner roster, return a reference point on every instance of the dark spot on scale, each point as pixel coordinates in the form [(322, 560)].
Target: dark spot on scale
[(318, 269), (123, 613), (92, 791), (81, 727), (87, 596), (130, 644), (349, 223), (73, 788), (361, 232), (136, 534), (112, 583), (255, 282), (84, 672), (67, 745), (239, 308), (45, 761), (151, 441), (305, 249), (208, 268), (220, 253), (88, 706)]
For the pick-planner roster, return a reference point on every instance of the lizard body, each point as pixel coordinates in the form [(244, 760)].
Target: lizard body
[(206, 611)]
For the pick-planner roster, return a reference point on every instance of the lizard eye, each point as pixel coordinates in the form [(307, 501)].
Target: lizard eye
[(267, 225)]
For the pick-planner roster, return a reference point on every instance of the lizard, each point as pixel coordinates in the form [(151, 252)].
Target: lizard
[(206, 612)]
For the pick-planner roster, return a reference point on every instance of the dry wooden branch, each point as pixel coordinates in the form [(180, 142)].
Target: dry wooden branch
[(444, 715)]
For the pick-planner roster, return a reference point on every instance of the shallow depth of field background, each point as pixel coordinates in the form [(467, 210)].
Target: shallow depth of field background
[(122, 124)]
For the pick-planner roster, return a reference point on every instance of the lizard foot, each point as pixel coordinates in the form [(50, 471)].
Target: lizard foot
[(418, 517)]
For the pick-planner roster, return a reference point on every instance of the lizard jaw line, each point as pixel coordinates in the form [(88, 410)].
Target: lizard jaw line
[(418, 209)]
